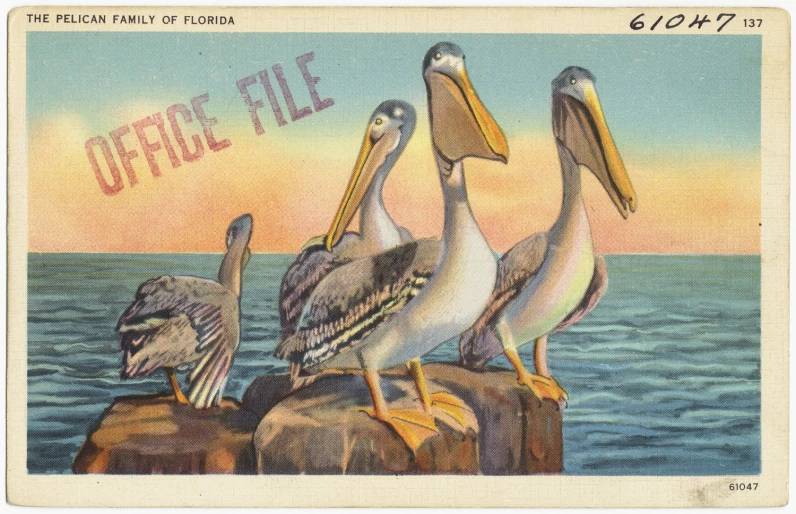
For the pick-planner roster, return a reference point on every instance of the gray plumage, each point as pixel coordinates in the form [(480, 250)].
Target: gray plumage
[(301, 278), (176, 321), (405, 234), (354, 299), (391, 120), (179, 321), (516, 268), (311, 266)]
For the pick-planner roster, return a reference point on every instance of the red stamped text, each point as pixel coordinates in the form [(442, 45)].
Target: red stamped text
[(184, 133), (150, 135)]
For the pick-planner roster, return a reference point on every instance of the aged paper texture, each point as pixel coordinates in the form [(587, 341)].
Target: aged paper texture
[(443, 257)]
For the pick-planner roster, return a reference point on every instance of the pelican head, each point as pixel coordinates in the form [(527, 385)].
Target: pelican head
[(579, 123), (460, 124), (389, 129), (239, 234)]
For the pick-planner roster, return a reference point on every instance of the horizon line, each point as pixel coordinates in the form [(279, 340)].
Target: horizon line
[(685, 254)]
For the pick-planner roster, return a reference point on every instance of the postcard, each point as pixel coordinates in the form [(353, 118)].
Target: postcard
[(441, 257)]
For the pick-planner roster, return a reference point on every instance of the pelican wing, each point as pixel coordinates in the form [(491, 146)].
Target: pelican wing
[(170, 342), (516, 268), (595, 291), (356, 298), (479, 344), (300, 280), (182, 320)]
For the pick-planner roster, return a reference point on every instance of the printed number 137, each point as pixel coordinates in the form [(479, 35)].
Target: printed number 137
[(752, 22)]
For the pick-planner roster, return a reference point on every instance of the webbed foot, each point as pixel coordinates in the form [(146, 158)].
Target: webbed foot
[(412, 426), (451, 405), (544, 388)]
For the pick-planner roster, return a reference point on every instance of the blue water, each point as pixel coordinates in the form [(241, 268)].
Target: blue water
[(663, 376)]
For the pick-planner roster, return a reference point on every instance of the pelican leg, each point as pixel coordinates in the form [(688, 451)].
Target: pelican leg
[(294, 370), (445, 402), (540, 361), (541, 387), (412, 426), (175, 385)]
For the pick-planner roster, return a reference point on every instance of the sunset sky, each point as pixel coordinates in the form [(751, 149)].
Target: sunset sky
[(684, 112)]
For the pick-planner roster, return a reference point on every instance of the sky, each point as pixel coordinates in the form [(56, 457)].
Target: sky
[(684, 112)]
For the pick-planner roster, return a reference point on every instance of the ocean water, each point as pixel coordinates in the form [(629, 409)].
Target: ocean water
[(663, 376)]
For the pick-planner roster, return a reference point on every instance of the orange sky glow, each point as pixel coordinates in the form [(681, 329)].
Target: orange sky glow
[(689, 201)]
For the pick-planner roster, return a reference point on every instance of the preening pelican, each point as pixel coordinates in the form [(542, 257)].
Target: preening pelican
[(389, 129), (396, 306), (177, 321), (550, 281)]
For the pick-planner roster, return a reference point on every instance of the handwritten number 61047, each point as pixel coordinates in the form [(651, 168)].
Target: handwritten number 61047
[(698, 22)]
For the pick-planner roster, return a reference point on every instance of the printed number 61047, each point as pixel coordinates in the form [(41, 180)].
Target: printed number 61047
[(751, 486)]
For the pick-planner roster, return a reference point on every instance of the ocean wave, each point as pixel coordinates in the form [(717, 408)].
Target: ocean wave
[(663, 375)]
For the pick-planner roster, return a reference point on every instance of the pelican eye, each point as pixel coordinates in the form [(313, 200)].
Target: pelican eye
[(379, 121), (572, 80), (437, 56)]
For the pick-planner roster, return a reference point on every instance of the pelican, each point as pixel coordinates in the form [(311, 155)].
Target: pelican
[(550, 281), (396, 306), (178, 321), (389, 129)]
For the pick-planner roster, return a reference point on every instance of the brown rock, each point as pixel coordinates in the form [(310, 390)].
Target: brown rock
[(264, 392), (519, 434), (152, 434), (319, 430)]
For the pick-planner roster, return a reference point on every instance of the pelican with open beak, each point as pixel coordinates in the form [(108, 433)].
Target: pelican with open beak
[(551, 280), (460, 124), (394, 307), (388, 131)]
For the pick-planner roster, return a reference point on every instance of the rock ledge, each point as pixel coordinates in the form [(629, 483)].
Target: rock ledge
[(320, 429), (151, 434)]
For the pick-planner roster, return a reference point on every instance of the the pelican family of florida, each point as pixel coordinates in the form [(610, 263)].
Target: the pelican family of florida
[(364, 302)]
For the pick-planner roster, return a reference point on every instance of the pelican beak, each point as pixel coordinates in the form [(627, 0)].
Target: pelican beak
[(315, 241), (372, 156), (461, 125), (587, 136), (245, 258)]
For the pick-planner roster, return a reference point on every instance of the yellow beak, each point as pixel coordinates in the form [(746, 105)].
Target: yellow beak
[(372, 155), (492, 132), (615, 168), (582, 128), (461, 125)]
